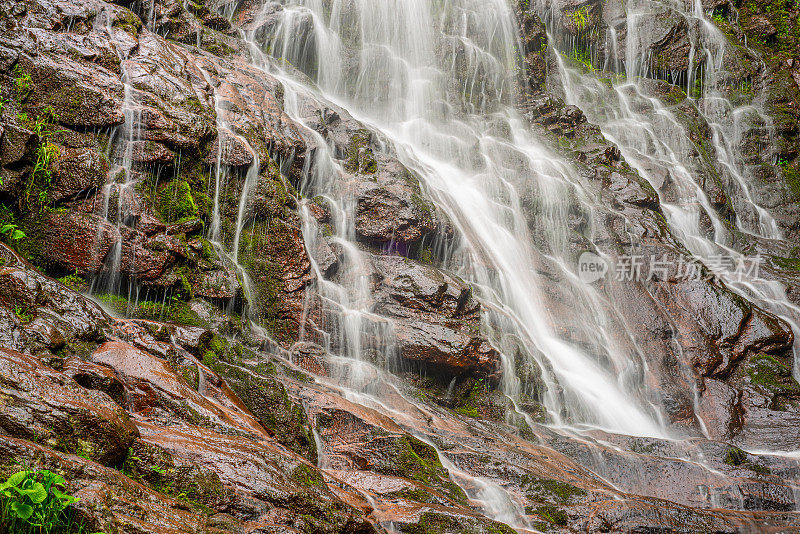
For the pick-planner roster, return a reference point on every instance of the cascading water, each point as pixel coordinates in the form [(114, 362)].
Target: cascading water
[(116, 193), (436, 83), (437, 109), (655, 141)]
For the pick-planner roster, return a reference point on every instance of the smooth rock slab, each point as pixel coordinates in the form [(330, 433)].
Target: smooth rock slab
[(43, 405)]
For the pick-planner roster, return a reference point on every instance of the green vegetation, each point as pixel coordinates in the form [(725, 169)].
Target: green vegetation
[(552, 515), (308, 476), (469, 404), (438, 523), (23, 83), (549, 490), (174, 310), (736, 457), (579, 18), (22, 314), (74, 281), (11, 231), (192, 485), (359, 155), (773, 376), (35, 502), (40, 181), (174, 201)]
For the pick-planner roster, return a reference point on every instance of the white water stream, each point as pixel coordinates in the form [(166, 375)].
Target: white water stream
[(436, 82)]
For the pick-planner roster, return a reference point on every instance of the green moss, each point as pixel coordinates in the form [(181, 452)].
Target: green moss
[(736, 457), (264, 248), (74, 281), (308, 476), (549, 490), (215, 45), (791, 174), (411, 494), (359, 155), (263, 394), (772, 376), (175, 311), (789, 264), (127, 21), (196, 486), (438, 523), (174, 201), (551, 514)]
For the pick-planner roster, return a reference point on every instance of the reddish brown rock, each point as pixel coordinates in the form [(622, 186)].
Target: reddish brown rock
[(93, 376), (40, 313), (153, 387), (77, 171), (110, 501), (235, 152), (268, 485), (43, 405), (436, 320), (78, 242)]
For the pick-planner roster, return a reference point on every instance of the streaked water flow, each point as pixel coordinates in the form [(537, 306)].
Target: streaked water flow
[(659, 145), (436, 81)]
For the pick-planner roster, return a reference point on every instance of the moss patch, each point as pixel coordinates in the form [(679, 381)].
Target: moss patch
[(359, 156), (176, 311), (549, 490), (436, 523), (174, 201), (773, 377)]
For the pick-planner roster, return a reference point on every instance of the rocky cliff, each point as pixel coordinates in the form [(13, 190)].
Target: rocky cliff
[(173, 339)]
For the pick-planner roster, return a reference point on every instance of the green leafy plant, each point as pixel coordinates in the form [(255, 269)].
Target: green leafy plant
[(22, 314), (22, 82), (12, 232), (580, 18), (46, 154), (35, 502), (74, 281)]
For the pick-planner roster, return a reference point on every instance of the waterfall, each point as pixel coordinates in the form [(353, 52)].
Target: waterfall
[(436, 81), (659, 145)]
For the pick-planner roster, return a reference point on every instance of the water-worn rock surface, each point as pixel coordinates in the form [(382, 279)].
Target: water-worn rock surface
[(242, 288)]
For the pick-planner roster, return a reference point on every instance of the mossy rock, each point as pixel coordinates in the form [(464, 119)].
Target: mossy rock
[(440, 523), (736, 457), (174, 201), (177, 311), (264, 395), (550, 514), (547, 490), (359, 156), (475, 398), (772, 377), (266, 250), (198, 486), (413, 459)]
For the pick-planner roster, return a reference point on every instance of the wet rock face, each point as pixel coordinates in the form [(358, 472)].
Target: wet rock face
[(136, 396), (38, 315), (213, 435), (43, 405), (392, 210), (435, 319), (164, 110), (367, 441)]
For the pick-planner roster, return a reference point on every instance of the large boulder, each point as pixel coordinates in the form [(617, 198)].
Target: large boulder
[(42, 405), (435, 319)]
